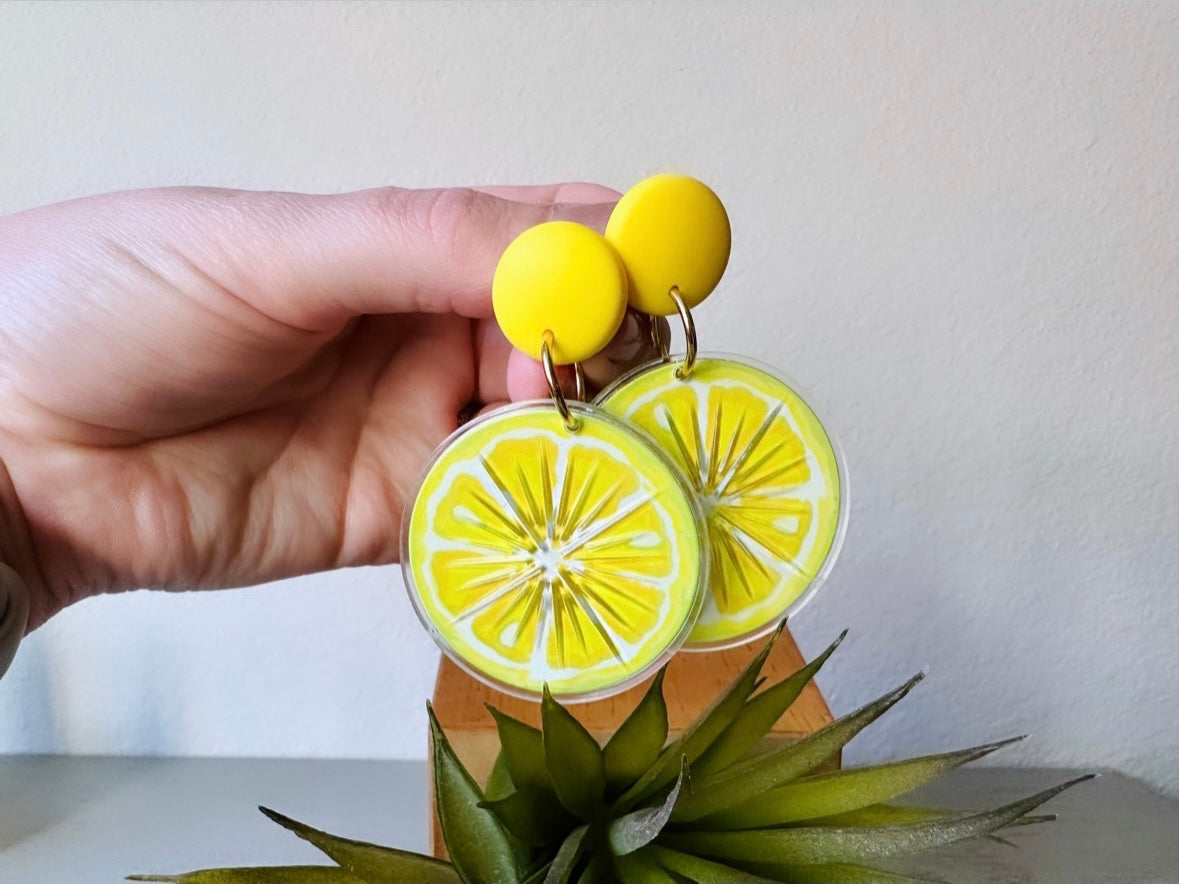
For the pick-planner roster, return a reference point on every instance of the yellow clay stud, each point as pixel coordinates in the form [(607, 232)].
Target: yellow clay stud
[(670, 230), (563, 278)]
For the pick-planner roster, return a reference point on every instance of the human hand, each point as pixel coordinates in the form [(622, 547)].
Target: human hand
[(207, 388)]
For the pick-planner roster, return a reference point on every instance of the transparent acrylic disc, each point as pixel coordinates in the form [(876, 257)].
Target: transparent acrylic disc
[(768, 478), (536, 555)]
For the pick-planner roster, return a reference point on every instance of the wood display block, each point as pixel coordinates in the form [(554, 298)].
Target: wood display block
[(693, 681)]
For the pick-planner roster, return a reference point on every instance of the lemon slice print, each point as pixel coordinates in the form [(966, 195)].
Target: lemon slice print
[(538, 555), (767, 478)]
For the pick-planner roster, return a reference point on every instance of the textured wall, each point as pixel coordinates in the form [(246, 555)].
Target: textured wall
[(958, 228)]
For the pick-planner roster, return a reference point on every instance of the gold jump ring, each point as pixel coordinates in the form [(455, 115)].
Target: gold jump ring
[(689, 362), (572, 424), (579, 380)]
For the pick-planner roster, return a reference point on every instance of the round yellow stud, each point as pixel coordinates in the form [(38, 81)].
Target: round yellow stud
[(670, 230), (563, 279)]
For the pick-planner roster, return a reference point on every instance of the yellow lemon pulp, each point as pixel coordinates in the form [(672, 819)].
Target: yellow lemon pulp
[(766, 476), (537, 555)]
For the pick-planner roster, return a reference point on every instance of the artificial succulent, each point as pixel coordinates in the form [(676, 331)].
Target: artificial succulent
[(715, 805)]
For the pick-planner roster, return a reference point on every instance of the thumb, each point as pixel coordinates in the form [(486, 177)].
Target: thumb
[(316, 261)]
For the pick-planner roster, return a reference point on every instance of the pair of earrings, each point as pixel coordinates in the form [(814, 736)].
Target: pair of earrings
[(694, 503)]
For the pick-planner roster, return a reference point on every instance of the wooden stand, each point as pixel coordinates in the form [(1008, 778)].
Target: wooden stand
[(693, 681)]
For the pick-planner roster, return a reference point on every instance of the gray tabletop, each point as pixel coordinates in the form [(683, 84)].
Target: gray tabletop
[(94, 820)]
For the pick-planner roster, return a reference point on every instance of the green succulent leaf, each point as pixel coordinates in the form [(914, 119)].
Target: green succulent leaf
[(259, 875), (370, 862), (826, 795), (846, 873), (898, 814), (637, 829), (599, 870), (761, 773), (640, 868), (499, 781), (882, 815), (757, 717), (822, 845), (574, 760), (1003, 841), (698, 869), (522, 749), (639, 739), (837, 873), (534, 817), (695, 868), (701, 734), (480, 849), (1032, 820), (562, 866)]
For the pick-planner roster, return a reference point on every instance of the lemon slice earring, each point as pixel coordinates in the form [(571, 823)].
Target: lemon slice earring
[(550, 543), (764, 467)]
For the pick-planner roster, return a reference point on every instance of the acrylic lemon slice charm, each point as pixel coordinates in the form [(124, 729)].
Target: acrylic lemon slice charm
[(764, 468), (551, 543), (540, 555), (767, 477)]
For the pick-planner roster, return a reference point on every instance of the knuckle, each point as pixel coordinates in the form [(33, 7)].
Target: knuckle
[(448, 218), (436, 216)]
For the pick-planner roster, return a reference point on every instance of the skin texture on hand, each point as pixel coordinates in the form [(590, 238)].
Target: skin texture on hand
[(208, 388)]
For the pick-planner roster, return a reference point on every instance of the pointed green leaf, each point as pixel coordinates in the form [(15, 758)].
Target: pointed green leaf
[(540, 862), (1003, 841), (840, 873), (370, 862), (882, 815), (259, 875), (1032, 820), (522, 749), (567, 857), (757, 717), (701, 733), (845, 873), (639, 739), (640, 868), (499, 781), (835, 793), (761, 773), (806, 845), (499, 785), (837, 873), (479, 847), (574, 760), (599, 870), (696, 868), (639, 828), (534, 817)]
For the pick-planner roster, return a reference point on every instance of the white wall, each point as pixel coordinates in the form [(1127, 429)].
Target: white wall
[(958, 227)]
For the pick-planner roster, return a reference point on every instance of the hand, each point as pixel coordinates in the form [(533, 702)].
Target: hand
[(210, 388)]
